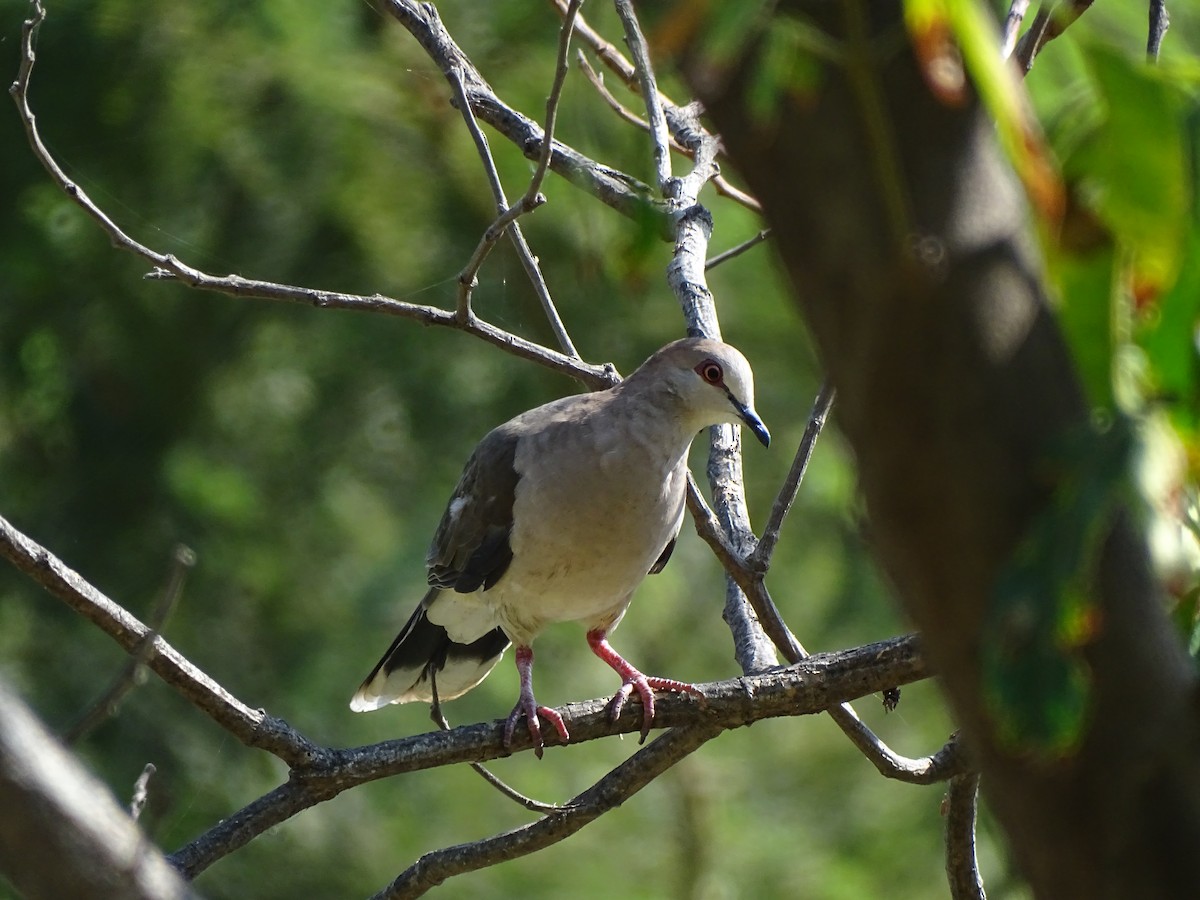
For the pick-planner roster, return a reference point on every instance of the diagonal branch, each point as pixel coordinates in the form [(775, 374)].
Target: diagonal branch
[(106, 705), (1051, 21), (609, 792), (253, 727), (761, 557), (168, 267), (624, 194), (624, 70), (654, 108), (531, 200)]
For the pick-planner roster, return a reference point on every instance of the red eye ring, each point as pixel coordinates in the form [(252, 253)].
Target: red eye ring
[(711, 372)]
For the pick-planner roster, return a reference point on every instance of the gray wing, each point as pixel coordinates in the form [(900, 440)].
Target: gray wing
[(471, 547)]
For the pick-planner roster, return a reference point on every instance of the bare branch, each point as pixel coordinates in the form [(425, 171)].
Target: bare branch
[(624, 70), (439, 719), (618, 190), (654, 107), (1160, 21), (947, 762), (531, 200), (808, 688), (61, 832), (252, 727), (962, 868), (168, 267), (106, 705), (761, 557), (741, 248), (1051, 21), (560, 77), (611, 791)]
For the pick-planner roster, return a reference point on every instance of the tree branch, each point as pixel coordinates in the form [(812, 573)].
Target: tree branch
[(805, 689), (1051, 21), (760, 559), (168, 267), (624, 194), (182, 560), (1160, 21), (254, 728), (609, 792), (962, 868)]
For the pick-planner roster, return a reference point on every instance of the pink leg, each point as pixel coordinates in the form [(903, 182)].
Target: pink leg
[(527, 705), (633, 680)]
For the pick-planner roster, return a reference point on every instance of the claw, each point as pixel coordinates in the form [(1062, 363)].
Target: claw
[(528, 706), (633, 680)]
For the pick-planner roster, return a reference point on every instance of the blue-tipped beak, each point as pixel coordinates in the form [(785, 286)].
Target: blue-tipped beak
[(753, 422)]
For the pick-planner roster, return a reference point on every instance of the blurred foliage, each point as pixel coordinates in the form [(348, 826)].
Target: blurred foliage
[(305, 455)]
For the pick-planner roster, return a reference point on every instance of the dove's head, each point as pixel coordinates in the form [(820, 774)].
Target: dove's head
[(713, 380)]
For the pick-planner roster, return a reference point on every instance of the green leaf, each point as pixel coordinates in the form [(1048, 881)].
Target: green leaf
[(1086, 316), (1134, 170)]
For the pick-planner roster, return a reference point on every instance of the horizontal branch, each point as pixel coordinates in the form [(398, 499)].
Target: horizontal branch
[(807, 688)]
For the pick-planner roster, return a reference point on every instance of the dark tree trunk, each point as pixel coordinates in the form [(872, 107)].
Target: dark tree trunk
[(908, 243)]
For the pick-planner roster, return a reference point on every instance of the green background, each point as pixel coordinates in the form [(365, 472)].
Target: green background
[(305, 455)]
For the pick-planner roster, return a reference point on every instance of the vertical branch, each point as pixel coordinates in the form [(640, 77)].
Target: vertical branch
[(962, 867), (1160, 21), (645, 74), (552, 101)]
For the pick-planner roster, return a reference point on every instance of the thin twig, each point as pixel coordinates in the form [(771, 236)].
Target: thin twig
[(741, 248), (609, 792), (962, 866), (439, 719), (1160, 21), (924, 770), (507, 215), (506, 221), (561, 68), (722, 185), (760, 559), (168, 267), (252, 727), (1012, 26), (625, 70), (620, 191), (654, 107), (127, 679)]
